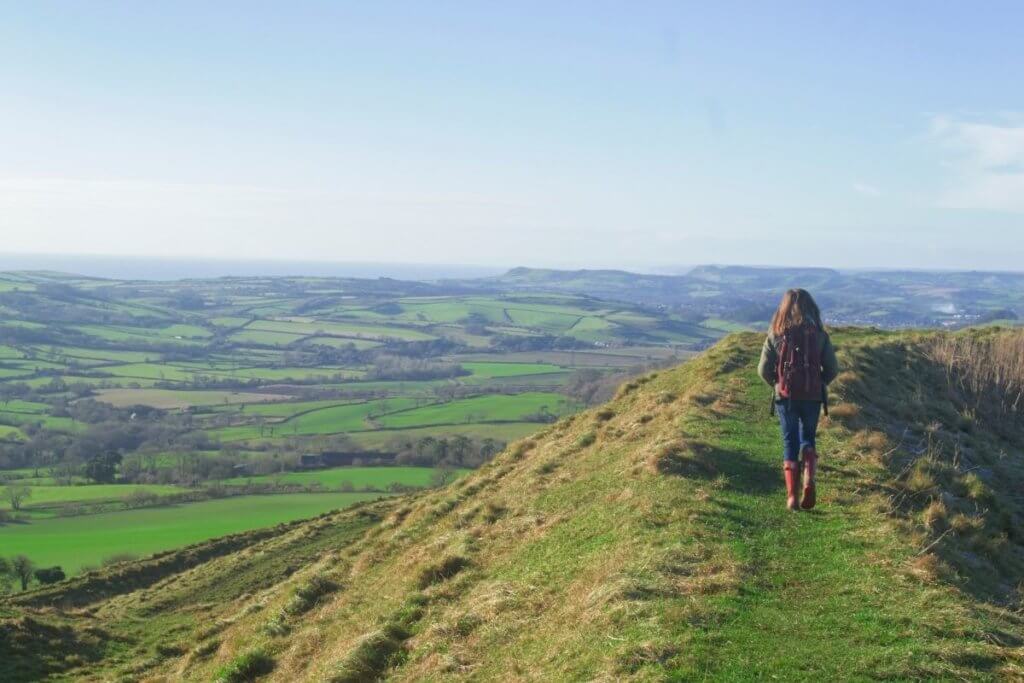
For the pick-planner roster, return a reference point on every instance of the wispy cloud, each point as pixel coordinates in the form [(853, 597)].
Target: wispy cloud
[(986, 161)]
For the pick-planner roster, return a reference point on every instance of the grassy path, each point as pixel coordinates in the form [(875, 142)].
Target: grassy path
[(823, 596)]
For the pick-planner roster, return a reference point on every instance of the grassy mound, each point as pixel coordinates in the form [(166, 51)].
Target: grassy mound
[(644, 540)]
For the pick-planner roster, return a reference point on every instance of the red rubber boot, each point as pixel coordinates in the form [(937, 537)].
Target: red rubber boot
[(810, 471), (792, 472)]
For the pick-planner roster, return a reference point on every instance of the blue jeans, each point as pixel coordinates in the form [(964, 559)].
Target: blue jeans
[(799, 421)]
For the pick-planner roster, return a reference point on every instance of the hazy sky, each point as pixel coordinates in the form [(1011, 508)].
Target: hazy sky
[(515, 133)]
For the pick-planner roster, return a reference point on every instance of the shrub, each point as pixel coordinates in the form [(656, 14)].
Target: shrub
[(308, 594), (246, 667), (374, 654), (920, 478), (441, 571), (685, 457), (586, 440), (844, 411), (276, 626), (206, 649), (626, 388), (48, 575), (522, 448), (118, 559), (934, 516), (975, 488), (493, 512)]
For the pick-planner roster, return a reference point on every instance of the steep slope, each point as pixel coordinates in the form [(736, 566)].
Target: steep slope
[(645, 539)]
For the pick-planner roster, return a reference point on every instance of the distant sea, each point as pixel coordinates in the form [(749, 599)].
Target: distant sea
[(149, 268)]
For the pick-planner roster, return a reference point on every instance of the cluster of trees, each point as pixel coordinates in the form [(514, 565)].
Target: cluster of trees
[(445, 452), (401, 368), (21, 570), (110, 433), (513, 342)]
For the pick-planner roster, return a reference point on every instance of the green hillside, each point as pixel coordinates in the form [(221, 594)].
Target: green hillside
[(646, 539)]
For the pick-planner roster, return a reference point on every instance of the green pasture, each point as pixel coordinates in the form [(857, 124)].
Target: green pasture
[(359, 477), (341, 342), (229, 321), (186, 331), (385, 439), (27, 407), (37, 382), (302, 374), (265, 337), (340, 329), (286, 409), (490, 370), (10, 353), (548, 321), (329, 420), (72, 542), (43, 496), (490, 408), (103, 355), (154, 371), (60, 424), (10, 433), (169, 399)]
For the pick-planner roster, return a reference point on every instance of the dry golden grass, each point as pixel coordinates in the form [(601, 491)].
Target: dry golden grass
[(844, 411), (987, 365)]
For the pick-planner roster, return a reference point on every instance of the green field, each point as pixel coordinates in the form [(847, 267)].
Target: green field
[(374, 477), (490, 370), (328, 420), (339, 329), (494, 408), (247, 373), (10, 432), (72, 542), (171, 398), (384, 439), (264, 337), (27, 407), (43, 496), (58, 424)]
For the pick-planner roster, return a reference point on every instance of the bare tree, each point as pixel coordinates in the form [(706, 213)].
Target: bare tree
[(22, 568), (16, 494)]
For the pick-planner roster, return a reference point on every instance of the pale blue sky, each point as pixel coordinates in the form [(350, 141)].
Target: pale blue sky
[(632, 134)]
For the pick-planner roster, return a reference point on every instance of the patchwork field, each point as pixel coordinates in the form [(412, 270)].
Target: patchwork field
[(111, 390), (169, 399)]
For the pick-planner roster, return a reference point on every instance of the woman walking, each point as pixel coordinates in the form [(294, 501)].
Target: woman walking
[(799, 362)]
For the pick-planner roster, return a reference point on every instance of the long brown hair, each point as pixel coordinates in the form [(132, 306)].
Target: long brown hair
[(796, 308)]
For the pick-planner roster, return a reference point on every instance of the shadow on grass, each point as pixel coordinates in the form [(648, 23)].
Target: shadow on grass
[(34, 649)]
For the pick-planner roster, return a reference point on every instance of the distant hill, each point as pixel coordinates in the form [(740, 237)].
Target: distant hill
[(748, 294), (645, 539)]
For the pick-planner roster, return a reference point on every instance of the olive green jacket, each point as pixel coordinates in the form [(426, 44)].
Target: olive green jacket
[(770, 358)]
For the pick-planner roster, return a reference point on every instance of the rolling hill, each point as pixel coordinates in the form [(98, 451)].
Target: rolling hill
[(645, 539)]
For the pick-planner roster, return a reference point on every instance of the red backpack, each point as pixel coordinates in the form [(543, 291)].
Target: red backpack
[(799, 366)]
